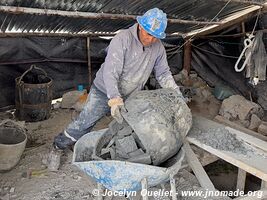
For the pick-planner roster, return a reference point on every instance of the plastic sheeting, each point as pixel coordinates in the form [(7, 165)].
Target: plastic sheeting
[(64, 59), (214, 60)]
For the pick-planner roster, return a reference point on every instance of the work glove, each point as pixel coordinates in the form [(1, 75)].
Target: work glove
[(179, 93), (116, 106)]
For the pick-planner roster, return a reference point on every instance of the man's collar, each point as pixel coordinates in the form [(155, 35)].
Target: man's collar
[(133, 29)]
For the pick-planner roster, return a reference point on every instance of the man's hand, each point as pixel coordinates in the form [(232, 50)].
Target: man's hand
[(116, 106), (179, 93)]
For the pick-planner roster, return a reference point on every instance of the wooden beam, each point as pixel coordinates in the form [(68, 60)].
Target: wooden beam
[(253, 161), (224, 121), (256, 169), (263, 185), (197, 168), (89, 61), (241, 180), (53, 34), (230, 35), (244, 2), (187, 56), (249, 139), (228, 21), (87, 15)]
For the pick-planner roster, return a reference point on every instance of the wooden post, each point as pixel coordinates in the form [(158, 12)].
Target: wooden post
[(263, 185), (243, 28), (89, 62), (197, 168), (241, 180), (187, 56), (144, 189)]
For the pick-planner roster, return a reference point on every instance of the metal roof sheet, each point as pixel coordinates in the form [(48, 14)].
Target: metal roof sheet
[(200, 10)]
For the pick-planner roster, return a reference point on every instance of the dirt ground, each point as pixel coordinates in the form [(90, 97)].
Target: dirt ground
[(68, 182)]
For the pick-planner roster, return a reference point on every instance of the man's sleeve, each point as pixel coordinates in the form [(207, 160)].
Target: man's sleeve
[(113, 65), (162, 71)]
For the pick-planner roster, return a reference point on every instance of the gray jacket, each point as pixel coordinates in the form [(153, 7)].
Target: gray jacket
[(128, 65)]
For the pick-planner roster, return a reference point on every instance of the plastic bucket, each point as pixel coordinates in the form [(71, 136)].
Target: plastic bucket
[(12, 144)]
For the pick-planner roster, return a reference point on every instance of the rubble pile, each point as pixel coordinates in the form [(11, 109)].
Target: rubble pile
[(123, 145), (246, 113)]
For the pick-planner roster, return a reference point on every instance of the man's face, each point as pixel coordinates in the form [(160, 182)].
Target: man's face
[(145, 38)]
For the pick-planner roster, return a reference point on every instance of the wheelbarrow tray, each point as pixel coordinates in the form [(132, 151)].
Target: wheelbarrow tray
[(118, 175)]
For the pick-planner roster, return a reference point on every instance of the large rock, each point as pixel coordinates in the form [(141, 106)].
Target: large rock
[(255, 122), (236, 107), (70, 98), (262, 129), (160, 119)]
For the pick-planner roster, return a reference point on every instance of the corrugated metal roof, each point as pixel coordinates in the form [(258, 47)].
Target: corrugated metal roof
[(200, 10)]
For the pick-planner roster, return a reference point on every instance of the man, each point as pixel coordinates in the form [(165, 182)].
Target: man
[(131, 57)]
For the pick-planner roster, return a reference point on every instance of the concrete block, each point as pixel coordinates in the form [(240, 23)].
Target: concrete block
[(135, 153), (105, 153), (144, 159), (120, 155), (112, 141), (126, 131), (114, 126), (138, 141), (112, 153), (126, 144)]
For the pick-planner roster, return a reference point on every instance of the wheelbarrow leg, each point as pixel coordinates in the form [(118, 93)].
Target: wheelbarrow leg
[(100, 189), (144, 188), (173, 188)]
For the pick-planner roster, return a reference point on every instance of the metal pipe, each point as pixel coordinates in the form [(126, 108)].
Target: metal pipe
[(87, 15)]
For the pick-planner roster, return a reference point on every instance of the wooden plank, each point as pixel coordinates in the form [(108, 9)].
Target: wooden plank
[(253, 162), (249, 166), (197, 168), (224, 121), (187, 56), (244, 2), (227, 22), (241, 180), (89, 61), (249, 139), (144, 187), (87, 15), (263, 185)]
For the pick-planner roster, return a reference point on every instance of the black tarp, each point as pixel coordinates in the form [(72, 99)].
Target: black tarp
[(64, 60), (214, 60)]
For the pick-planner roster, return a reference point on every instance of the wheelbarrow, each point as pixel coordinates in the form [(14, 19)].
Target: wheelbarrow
[(121, 176)]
